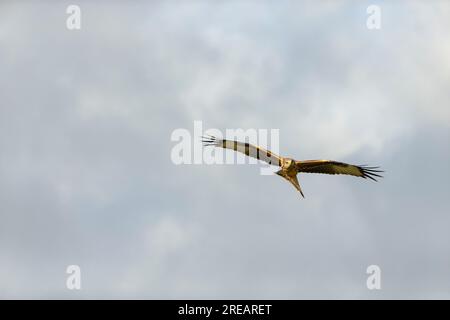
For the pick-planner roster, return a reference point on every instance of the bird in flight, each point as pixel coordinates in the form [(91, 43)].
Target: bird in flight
[(290, 167)]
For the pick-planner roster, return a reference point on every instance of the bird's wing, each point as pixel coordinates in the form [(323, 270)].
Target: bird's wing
[(245, 148), (334, 167)]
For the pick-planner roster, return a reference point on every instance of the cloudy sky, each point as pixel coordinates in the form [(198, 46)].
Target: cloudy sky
[(86, 176)]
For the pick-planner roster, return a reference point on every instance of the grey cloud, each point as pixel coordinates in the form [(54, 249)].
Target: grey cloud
[(85, 170)]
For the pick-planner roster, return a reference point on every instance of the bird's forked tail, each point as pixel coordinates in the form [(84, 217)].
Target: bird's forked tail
[(292, 179)]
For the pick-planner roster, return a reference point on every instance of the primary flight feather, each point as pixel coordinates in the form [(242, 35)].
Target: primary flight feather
[(290, 167)]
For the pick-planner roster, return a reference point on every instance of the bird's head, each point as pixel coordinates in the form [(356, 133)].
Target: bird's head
[(287, 163)]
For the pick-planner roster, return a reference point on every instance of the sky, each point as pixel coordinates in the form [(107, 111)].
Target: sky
[(87, 179)]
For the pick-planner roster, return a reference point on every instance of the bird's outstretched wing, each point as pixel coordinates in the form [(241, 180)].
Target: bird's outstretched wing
[(334, 167), (245, 148)]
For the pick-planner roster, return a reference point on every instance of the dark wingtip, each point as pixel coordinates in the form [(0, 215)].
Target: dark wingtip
[(208, 140), (371, 172)]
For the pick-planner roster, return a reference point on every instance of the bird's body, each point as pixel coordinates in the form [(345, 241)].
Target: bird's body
[(290, 167), (289, 172)]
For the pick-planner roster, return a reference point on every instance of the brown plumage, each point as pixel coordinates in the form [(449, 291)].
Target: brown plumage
[(290, 167)]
